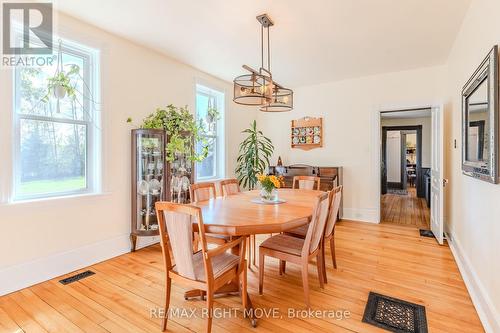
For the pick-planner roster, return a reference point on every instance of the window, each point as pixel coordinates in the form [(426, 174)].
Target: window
[(210, 113), (56, 141)]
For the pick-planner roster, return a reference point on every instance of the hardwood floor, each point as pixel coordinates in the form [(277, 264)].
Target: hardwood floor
[(387, 259), (405, 209)]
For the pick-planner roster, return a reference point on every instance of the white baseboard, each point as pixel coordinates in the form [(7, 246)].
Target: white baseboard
[(361, 214), (480, 297), (27, 274)]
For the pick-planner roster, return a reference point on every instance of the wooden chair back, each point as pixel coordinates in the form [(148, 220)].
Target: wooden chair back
[(306, 182), (230, 186), (334, 210), (176, 225), (316, 229), (202, 191)]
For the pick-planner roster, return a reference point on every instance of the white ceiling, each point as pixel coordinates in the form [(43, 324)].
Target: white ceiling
[(421, 113), (312, 41)]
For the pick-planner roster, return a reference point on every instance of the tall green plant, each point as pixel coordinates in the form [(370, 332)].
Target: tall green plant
[(253, 158)]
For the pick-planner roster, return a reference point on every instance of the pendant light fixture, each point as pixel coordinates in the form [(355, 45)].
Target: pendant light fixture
[(257, 88)]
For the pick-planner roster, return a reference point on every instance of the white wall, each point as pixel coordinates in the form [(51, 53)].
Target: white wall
[(393, 158), (349, 110), (473, 207), (134, 82), (426, 134)]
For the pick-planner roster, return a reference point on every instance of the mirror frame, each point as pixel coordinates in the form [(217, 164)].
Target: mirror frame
[(489, 70)]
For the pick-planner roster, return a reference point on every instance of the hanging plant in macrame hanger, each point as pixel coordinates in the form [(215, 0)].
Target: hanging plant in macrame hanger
[(62, 84)]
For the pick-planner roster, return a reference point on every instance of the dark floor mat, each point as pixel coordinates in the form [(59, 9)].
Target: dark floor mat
[(397, 191), (426, 233)]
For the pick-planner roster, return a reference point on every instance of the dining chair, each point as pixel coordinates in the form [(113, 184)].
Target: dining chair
[(230, 187), (331, 222), (206, 270), (333, 212), (299, 251), (306, 182), (203, 192)]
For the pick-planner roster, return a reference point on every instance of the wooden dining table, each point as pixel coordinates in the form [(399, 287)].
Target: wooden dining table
[(238, 216)]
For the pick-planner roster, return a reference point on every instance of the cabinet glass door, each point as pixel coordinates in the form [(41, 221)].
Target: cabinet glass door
[(150, 179)]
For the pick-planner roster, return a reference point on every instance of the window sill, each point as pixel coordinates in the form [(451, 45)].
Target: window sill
[(211, 180), (57, 198)]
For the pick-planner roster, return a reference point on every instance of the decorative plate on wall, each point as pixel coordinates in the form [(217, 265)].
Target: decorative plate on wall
[(307, 133)]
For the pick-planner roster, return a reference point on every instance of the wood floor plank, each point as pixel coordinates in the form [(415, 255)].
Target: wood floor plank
[(49, 318), (26, 322), (67, 309), (406, 210), (388, 258), (7, 324)]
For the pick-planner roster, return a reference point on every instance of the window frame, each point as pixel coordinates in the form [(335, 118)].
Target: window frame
[(91, 121), (219, 98)]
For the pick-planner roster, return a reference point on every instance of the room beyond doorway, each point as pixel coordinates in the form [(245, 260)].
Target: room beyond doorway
[(405, 167)]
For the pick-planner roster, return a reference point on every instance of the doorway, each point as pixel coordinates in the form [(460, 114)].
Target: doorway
[(405, 167)]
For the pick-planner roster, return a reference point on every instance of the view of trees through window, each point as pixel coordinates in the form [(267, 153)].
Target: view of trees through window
[(52, 134), (206, 102)]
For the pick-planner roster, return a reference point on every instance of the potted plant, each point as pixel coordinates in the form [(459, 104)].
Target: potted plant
[(269, 186), (253, 158), (183, 132), (212, 115), (59, 85)]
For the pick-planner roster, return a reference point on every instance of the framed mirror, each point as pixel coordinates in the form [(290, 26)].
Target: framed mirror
[(480, 121)]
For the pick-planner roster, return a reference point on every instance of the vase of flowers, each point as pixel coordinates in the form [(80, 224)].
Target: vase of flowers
[(269, 186)]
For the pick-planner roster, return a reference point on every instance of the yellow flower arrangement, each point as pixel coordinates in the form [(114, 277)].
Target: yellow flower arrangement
[(270, 182)]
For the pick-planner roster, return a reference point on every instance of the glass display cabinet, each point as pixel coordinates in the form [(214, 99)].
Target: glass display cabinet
[(148, 181), (180, 174), (155, 179)]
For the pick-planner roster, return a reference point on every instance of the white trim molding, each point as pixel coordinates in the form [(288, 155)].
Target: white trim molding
[(21, 276), (370, 215), (488, 315), (376, 144)]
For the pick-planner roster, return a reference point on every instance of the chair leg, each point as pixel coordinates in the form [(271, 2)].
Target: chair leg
[(249, 250), (244, 296), (323, 262), (254, 248), (319, 267), (282, 267), (332, 250), (305, 282), (261, 272), (210, 305), (167, 304)]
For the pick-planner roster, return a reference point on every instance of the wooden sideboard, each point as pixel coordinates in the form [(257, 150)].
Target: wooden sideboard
[(330, 176)]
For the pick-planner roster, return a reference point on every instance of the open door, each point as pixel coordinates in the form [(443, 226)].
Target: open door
[(383, 164), (437, 180)]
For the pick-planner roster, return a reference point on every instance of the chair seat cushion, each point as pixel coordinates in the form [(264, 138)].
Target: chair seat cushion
[(300, 232), (284, 243), (221, 263)]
